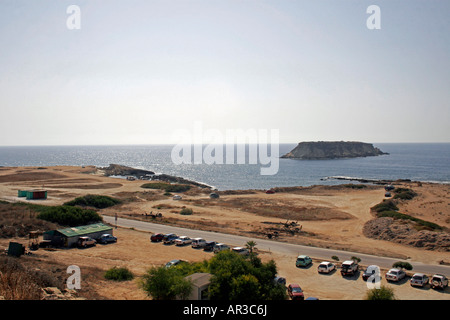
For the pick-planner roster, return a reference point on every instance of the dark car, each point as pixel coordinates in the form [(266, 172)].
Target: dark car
[(107, 238), (209, 245), (372, 270), (157, 237), (170, 238)]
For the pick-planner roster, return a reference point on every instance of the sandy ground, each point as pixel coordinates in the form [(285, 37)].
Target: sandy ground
[(329, 217)]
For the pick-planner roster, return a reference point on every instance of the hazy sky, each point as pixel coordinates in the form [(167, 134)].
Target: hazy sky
[(136, 71)]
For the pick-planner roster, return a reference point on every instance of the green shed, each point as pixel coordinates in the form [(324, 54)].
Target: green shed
[(68, 237), (22, 193)]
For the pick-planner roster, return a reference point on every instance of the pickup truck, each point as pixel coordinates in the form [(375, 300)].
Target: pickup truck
[(439, 281), (349, 267), (395, 275)]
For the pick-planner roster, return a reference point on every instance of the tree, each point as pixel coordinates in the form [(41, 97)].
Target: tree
[(166, 284), (251, 245), (383, 293), (235, 278)]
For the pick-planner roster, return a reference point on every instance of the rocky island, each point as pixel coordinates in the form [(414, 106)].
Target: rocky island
[(332, 150)]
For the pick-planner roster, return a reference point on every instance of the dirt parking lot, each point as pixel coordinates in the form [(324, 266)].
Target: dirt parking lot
[(134, 251)]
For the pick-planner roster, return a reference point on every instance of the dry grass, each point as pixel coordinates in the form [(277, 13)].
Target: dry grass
[(17, 220), (285, 209)]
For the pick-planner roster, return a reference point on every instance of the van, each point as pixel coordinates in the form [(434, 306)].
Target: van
[(220, 247), (198, 243)]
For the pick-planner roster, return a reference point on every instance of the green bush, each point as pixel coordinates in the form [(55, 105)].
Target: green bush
[(119, 274), (96, 201), (167, 187), (404, 194), (68, 215), (398, 215), (354, 186), (385, 205), (186, 211), (155, 185), (402, 265), (383, 293)]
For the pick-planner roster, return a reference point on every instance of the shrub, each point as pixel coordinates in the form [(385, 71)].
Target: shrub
[(354, 186), (398, 215), (385, 205), (186, 211), (383, 293), (402, 265), (404, 194), (68, 215), (96, 201), (167, 187), (119, 274)]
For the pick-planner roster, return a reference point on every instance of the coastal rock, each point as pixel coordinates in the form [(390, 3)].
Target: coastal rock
[(120, 170), (332, 150), (389, 229)]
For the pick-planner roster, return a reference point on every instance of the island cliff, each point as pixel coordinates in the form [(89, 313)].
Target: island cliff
[(332, 150)]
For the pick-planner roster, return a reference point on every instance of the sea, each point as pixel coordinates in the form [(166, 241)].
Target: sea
[(427, 162)]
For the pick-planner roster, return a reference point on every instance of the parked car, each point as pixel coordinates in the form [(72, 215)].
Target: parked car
[(241, 250), (220, 247), (86, 242), (174, 262), (371, 270), (395, 274), (279, 280), (419, 280), (209, 245), (169, 238), (157, 237), (107, 238), (439, 281), (270, 191), (183, 240), (177, 197), (349, 268), (198, 243), (303, 261), (326, 267), (295, 292)]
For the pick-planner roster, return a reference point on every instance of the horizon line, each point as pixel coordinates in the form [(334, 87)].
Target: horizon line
[(173, 144)]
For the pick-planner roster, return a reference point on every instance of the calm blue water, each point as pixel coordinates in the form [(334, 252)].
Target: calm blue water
[(421, 162)]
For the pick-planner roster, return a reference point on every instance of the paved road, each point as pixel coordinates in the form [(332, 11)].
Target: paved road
[(275, 246)]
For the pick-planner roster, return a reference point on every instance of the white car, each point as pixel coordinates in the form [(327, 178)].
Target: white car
[(395, 275), (183, 240), (326, 267), (220, 247), (241, 250), (198, 243), (419, 280)]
